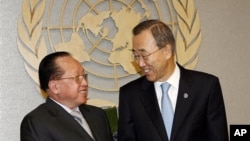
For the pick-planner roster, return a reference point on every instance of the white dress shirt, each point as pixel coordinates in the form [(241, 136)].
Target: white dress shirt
[(173, 90)]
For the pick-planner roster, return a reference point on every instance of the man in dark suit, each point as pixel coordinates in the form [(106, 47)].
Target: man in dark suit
[(196, 97), (64, 80)]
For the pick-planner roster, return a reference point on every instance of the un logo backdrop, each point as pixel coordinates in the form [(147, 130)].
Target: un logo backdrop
[(98, 34)]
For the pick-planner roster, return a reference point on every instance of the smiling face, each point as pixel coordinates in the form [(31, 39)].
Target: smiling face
[(70, 92), (156, 63)]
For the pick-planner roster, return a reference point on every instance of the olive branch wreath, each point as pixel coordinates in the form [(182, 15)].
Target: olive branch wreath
[(30, 35), (32, 46), (188, 38)]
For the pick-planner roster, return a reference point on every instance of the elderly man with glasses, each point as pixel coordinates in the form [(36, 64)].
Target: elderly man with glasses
[(64, 116)]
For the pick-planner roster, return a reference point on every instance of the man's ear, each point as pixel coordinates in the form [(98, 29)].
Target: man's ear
[(53, 86), (168, 51)]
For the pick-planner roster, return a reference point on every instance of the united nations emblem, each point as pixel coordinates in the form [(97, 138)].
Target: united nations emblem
[(98, 34)]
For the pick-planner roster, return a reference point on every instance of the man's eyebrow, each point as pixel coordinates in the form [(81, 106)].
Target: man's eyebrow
[(139, 50), (143, 50)]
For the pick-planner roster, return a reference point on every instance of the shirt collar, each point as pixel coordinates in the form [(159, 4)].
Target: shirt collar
[(173, 79), (65, 107)]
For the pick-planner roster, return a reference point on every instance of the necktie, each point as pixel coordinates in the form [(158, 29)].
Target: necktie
[(166, 109), (79, 118)]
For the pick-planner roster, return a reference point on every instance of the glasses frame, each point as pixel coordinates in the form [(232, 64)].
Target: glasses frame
[(77, 78), (144, 57)]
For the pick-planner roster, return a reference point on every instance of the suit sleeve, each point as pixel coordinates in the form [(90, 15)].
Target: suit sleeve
[(216, 114), (30, 130), (125, 123)]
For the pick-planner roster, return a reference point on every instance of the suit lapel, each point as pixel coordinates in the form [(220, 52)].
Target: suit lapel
[(149, 100), (184, 100), (90, 120), (66, 119)]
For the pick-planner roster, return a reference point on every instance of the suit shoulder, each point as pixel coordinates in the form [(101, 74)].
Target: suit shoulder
[(37, 114), (199, 74), (91, 108), (135, 83), (37, 110), (207, 76)]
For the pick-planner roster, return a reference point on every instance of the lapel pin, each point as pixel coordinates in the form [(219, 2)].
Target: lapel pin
[(185, 95)]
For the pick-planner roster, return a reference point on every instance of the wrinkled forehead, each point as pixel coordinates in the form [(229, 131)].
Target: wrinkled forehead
[(147, 46)]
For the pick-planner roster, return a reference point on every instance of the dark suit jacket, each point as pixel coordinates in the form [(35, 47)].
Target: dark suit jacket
[(50, 122), (199, 117)]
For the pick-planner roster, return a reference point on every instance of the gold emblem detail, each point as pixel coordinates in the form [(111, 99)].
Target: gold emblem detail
[(36, 38)]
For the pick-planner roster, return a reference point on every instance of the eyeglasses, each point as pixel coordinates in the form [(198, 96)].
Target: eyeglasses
[(144, 55), (78, 78)]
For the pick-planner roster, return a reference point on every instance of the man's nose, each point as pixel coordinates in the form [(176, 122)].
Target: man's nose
[(141, 62)]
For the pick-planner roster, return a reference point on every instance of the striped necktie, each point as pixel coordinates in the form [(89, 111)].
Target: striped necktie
[(79, 118)]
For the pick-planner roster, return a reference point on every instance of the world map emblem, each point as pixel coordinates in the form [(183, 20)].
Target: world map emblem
[(98, 33)]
